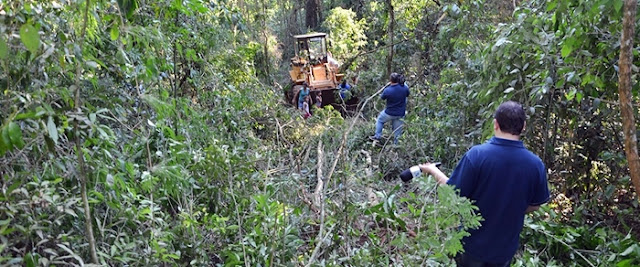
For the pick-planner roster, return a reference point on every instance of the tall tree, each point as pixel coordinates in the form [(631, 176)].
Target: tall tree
[(624, 89), (392, 21), (265, 34), (313, 15), (82, 170)]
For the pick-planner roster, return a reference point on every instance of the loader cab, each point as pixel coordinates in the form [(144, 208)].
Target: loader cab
[(311, 63), (311, 48)]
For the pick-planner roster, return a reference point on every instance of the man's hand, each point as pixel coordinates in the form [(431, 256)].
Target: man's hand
[(431, 168), (428, 167)]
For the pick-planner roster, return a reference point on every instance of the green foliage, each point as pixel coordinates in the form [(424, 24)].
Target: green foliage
[(346, 33), (145, 150), (428, 220), (579, 246), (192, 159)]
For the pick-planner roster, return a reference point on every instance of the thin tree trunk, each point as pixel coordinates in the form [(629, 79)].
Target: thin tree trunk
[(175, 60), (319, 8), (624, 89), (312, 14), (297, 21), (390, 33), (175, 73), (266, 39), (548, 148), (82, 173)]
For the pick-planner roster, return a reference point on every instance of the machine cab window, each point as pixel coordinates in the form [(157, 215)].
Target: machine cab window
[(311, 47)]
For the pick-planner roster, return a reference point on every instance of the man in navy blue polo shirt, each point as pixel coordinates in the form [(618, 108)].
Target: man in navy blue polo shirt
[(396, 95), (506, 181)]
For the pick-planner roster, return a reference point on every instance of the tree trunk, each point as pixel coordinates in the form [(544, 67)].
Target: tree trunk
[(319, 7), (292, 27), (624, 89), (82, 172), (390, 33), (547, 149), (266, 39), (313, 8)]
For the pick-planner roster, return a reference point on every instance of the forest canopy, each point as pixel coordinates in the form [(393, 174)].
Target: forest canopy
[(146, 133)]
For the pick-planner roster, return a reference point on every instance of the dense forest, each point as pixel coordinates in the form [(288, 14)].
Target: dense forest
[(157, 132)]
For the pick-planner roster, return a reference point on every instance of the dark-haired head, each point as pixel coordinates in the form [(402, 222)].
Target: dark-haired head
[(510, 117), (395, 77)]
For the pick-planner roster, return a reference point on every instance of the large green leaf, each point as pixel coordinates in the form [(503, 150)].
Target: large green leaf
[(624, 263), (567, 49), (52, 129), (15, 135), (5, 142), (31, 260), (30, 38), (630, 250), (617, 4), (115, 33), (551, 5), (4, 49)]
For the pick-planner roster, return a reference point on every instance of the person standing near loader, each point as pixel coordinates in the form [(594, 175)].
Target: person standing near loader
[(304, 92), (344, 87), (505, 181), (396, 95)]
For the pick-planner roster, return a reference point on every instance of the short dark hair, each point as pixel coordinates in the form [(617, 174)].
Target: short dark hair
[(395, 77), (510, 117)]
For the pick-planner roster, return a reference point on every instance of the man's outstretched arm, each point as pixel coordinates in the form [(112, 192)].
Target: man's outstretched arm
[(430, 168)]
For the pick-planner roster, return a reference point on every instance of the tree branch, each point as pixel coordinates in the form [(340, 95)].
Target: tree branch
[(318, 194), (350, 60), (82, 174), (333, 167), (444, 15), (346, 134)]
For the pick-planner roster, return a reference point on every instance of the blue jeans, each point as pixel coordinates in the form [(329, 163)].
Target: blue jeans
[(396, 122)]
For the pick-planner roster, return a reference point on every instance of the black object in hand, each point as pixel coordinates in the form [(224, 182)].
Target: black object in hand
[(413, 172)]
